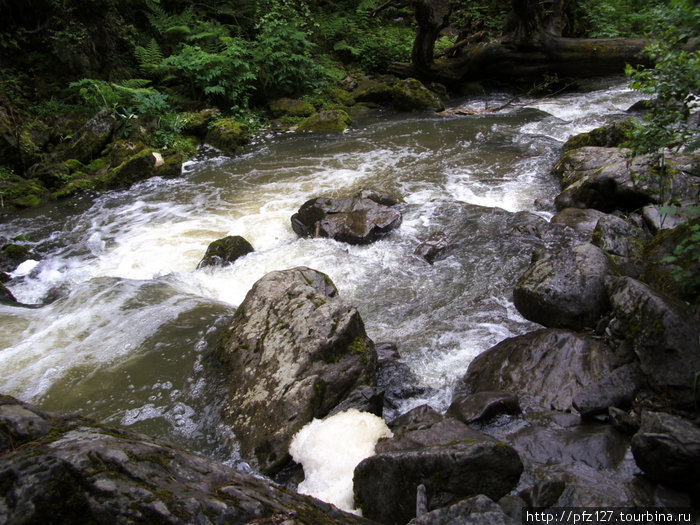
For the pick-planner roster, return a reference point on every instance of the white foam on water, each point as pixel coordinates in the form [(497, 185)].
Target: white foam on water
[(330, 449)]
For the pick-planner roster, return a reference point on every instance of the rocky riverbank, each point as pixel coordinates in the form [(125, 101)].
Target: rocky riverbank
[(597, 408)]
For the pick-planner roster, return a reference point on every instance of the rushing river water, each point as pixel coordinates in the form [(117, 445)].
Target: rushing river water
[(127, 324)]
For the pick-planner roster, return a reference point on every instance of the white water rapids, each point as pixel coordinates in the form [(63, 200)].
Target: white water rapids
[(126, 325)]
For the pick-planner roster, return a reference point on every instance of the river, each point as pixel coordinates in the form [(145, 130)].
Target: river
[(124, 325)]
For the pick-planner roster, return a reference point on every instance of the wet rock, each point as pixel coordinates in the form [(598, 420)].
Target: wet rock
[(291, 107), (617, 236), (617, 389), (228, 135), (13, 254), (225, 251), (545, 368), (582, 220), (293, 352), (624, 422), (482, 406), (434, 247), (667, 449), (63, 469), (607, 179), (664, 335), (478, 510), (327, 121), (353, 220), (424, 427), (608, 136), (385, 484), (397, 380), (565, 290), (6, 296)]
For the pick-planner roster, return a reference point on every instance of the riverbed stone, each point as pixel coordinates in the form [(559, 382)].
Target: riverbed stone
[(68, 469), (434, 247), (6, 296), (667, 449), (608, 136), (483, 406), (225, 251), (617, 390), (565, 290), (293, 351), (545, 368), (664, 334), (355, 220), (477, 510), (616, 236), (411, 95), (582, 220), (385, 484)]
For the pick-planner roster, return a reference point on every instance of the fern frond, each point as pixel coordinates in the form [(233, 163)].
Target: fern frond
[(150, 55)]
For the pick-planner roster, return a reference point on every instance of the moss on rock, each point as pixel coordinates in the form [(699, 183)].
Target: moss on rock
[(228, 135), (329, 121)]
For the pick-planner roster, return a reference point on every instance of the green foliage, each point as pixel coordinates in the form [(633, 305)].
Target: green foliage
[(616, 18), (225, 76), (673, 83), (686, 255), (283, 52), (359, 39)]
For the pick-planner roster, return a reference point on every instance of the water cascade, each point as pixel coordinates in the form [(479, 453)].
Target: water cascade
[(123, 326)]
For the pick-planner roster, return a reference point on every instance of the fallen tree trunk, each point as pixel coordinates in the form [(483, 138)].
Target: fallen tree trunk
[(531, 48)]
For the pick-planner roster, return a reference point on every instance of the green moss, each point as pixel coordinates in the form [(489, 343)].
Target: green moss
[(73, 165), (360, 345), (328, 121)]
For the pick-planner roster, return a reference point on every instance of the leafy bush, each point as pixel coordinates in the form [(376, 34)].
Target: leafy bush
[(283, 52)]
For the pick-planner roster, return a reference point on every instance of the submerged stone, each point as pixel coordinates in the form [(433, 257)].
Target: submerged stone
[(225, 251)]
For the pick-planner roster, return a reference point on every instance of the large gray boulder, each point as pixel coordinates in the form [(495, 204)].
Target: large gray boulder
[(565, 290), (609, 179), (386, 483), (92, 138), (67, 469), (293, 351), (616, 236), (355, 220), (667, 449), (664, 335), (446, 456), (545, 368)]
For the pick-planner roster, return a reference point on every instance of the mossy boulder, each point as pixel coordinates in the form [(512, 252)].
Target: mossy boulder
[(328, 121), (13, 254), (405, 95), (197, 124), (609, 136), (341, 96), (291, 107), (228, 135), (411, 95), (139, 167), (226, 251), (18, 192), (92, 138)]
